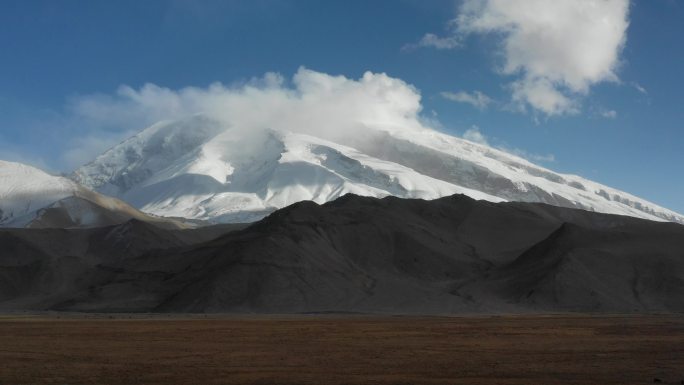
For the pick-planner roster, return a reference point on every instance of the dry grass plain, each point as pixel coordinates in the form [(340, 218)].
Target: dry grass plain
[(548, 349)]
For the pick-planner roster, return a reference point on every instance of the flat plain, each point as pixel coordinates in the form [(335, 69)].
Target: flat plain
[(342, 349)]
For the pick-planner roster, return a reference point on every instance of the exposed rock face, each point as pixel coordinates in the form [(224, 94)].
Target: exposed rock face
[(358, 254)]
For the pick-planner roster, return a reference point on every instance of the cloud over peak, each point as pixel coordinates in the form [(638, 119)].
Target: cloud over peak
[(266, 102), (312, 103)]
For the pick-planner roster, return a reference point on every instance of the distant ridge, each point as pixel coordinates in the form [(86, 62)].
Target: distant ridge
[(357, 254)]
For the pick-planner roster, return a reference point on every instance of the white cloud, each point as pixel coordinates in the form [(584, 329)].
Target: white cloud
[(476, 98), (83, 149), (608, 114), (473, 134), (333, 101), (433, 41), (639, 88), (558, 49), (332, 107), (542, 95), (315, 103)]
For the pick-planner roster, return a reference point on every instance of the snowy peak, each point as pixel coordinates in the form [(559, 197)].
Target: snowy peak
[(206, 169), (242, 176), (151, 151), (30, 197), (25, 189)]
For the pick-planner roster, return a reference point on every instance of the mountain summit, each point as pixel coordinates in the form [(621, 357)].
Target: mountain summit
[(204, 168)]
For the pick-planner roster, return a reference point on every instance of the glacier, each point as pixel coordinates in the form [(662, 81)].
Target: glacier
[(204, 168)]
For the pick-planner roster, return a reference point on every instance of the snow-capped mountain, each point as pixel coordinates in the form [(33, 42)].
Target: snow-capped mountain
[(201, 168), (24, 190), (30, 197)]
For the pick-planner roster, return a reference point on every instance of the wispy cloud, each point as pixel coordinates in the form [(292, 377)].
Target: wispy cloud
[(475, 135), (639, 88), (476, 98), (433, 41), (83, 149), (535, 158), (608, 114), (20, 157)]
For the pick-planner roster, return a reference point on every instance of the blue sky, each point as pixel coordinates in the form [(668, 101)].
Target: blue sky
[(621, 127)]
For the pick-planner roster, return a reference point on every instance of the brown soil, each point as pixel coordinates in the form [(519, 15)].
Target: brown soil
[(343, 350)]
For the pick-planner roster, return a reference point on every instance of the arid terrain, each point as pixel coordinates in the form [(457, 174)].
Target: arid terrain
[(453, 255), (335, 349)]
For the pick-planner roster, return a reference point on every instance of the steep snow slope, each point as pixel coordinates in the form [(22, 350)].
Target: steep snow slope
[(502, 174), (30, 197), (25, 189), (202, 169)]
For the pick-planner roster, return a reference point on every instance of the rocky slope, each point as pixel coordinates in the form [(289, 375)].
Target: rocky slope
[(358, 254)]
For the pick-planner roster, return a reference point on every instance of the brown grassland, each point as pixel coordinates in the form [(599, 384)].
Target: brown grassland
[(542, 349)]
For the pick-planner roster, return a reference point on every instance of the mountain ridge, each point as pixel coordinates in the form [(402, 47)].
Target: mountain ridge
[(30, 197), (452, 255), (202, 168)]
